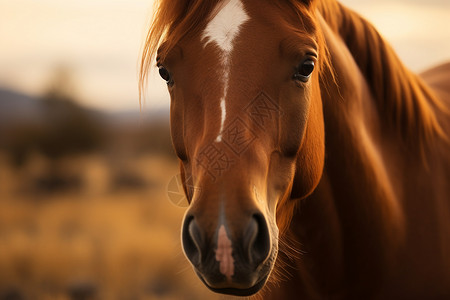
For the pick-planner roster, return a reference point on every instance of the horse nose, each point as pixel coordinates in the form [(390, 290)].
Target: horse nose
[(257, 239), (250, 245), (192, 240)]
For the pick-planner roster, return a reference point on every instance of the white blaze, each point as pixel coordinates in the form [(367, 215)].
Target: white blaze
[(222, 30)]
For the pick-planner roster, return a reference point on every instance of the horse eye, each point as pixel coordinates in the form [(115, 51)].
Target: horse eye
[(165, 74), (305, 70)]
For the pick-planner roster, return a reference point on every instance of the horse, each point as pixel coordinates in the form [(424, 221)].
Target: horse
[(316, 165)]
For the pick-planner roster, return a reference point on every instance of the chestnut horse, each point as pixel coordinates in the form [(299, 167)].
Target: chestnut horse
[(298, 128)]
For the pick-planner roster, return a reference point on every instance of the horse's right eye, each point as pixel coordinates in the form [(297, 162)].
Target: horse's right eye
[(304, 70), (164, 73)]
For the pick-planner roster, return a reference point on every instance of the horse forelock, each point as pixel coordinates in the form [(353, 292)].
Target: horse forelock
[(172, 20)]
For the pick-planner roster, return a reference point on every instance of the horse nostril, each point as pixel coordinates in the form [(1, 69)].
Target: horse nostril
[(257, 239), (192, 240)]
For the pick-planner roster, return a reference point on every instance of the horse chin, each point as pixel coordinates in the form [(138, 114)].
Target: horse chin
[(243, 292), (243, 285)]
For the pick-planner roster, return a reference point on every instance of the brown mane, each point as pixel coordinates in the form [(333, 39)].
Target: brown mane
[(404, 101)]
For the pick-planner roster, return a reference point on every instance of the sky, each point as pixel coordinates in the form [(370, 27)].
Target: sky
[(99, 41)]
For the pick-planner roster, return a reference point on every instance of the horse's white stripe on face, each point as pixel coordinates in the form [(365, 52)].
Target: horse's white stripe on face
[(224, 27), (222, 30)]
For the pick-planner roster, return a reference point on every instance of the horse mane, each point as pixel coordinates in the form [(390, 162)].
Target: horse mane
[(404, 101)]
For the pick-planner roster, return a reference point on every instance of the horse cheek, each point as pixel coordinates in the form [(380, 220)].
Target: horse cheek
[(311, 156)]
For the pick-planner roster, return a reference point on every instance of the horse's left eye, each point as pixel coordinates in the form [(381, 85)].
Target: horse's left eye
[(164, 73), (305, 70)]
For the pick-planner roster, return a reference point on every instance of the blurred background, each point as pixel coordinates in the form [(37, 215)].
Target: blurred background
[(85, 178)]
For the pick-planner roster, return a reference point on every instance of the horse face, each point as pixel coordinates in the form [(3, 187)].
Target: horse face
[(247, 125)]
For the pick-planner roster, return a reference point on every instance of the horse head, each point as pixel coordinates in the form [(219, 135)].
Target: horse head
[(247, 127)]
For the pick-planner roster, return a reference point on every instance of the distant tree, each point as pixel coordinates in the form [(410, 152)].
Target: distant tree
[(69, 128), (65, 127)]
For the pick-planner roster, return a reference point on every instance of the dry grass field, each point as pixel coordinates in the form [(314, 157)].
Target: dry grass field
[(89, 227)]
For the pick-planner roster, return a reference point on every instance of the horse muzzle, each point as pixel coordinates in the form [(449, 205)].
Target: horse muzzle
[(234, 258)]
